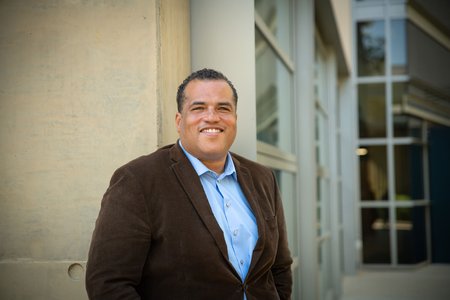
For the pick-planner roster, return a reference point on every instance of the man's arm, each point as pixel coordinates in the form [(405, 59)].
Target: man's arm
[(281, 269), (120, 242)]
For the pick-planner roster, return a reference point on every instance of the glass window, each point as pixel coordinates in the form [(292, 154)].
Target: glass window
[(407, 126), (273, 98), (373, 173), (399, 89), (404, 126), (398, 47), (286, 184), (371, 48), (322, 145), (320, 82), (408, 172), (375, 229), (372, 110), (411, 233), (277, 17), (324, 260), (323, 225)]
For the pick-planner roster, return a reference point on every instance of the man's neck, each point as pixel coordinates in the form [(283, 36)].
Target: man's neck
[(216, 166)]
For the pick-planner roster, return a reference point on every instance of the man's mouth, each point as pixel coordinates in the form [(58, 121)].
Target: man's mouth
[(211, 130)]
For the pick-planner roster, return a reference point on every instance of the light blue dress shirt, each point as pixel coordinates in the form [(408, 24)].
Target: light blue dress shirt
[(232, 212)]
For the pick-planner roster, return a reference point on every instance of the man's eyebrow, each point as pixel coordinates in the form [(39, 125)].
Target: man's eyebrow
[(225, 104), (204, 103), (197, 103)]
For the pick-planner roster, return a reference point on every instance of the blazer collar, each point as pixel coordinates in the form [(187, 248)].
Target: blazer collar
[(191, 184)]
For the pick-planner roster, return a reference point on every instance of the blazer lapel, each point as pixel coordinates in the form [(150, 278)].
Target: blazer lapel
[(248, 188), (191, 184)]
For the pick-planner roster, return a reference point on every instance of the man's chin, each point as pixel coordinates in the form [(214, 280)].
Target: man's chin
[(214, 154)]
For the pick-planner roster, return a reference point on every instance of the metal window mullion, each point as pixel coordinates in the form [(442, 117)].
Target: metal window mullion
[(373, 142), (373, 204), (274, 157), (271, 150), (407, 141), (426, 186), (371, 79), (323, 237), (387, 204), (390, 144), (273, 43)]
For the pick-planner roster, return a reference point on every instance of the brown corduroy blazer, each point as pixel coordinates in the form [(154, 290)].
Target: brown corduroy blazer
[(157, 238)]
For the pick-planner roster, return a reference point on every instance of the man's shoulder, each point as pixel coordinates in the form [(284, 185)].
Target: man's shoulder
[(159, 157), (251, 165)]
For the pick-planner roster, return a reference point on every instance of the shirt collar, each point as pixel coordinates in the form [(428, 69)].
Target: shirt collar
[(201, 169)]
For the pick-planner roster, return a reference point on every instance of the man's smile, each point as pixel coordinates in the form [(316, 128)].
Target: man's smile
[(211, 130)]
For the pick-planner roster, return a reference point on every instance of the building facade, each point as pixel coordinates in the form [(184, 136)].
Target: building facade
[(87, 86), (401, 71)]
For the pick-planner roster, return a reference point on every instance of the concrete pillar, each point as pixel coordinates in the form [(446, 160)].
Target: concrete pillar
[(305, 111), (223, 38), (80, 94)]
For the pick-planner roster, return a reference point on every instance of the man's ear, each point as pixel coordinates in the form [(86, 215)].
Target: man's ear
[(177, 121)]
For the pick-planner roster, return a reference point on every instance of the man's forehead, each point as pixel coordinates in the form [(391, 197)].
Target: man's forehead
[(197, 82), (199, 88), (225, 102)]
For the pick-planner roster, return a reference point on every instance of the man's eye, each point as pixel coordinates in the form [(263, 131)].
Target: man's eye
[(197, 108), (224, 108)]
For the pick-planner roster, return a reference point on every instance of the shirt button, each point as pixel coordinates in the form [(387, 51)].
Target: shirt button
[(235, 232), (228, 204), (241, 262)]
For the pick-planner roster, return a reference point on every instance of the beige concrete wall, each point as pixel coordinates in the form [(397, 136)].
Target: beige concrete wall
[(175, 61), (80, 94)]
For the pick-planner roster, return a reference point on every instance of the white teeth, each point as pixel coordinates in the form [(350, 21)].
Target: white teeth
[(211, 130)]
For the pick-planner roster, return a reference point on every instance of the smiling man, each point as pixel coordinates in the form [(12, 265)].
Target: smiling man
[(207, 120), (192, 220)]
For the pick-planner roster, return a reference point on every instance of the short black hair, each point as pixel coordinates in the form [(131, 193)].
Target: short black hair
[(203, 74)]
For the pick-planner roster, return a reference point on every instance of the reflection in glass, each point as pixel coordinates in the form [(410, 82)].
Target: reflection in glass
[(375, 232), (319, 206), (411, 235), (322, 140), (320, 78), (372, 110), (408, 172), (371, 50), (277, 16), (398, 47), (323, 206), (273, 98), (286, 184), (325, 276), (399, 89), (407, 126), (373, 174)]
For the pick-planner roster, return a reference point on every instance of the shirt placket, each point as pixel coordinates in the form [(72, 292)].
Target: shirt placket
[(233, 224)]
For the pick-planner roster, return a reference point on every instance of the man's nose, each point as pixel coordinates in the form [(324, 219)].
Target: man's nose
[(212, 115)]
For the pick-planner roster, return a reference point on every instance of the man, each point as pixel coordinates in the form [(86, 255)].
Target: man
[(192, 220)]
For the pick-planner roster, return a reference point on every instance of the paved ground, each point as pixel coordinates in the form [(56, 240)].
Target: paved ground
[(427, 283)]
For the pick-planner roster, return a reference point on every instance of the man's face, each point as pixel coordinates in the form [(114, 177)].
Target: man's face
[(207, 122)]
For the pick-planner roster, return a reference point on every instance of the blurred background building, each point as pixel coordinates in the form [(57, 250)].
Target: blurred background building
[(347, 101)]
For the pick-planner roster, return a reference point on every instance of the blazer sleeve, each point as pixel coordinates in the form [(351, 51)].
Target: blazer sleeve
[(281, 269), (120, 241)]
